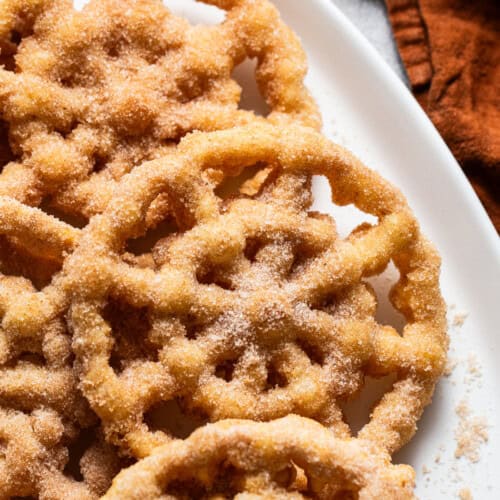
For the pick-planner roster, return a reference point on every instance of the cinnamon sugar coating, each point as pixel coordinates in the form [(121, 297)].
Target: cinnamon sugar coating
[(256, 308), (292, 457), (86, 96), (181, 270)]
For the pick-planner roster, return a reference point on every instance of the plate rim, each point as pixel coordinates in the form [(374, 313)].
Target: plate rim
[(449, 163), (470, 250)]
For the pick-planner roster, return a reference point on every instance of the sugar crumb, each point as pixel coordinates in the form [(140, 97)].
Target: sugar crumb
[(459, 318), (473, 365), (470, 434), (465, 494), (451, 364), (474, 372)]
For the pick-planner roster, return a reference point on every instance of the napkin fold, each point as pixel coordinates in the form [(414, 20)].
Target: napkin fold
[(451, 50)]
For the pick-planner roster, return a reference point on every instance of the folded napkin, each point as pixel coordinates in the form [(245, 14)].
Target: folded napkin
[(451, 50)]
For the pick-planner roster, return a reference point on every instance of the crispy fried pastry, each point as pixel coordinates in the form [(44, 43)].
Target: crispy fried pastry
[(42, 413), (190, 270), (253, 307), (245, 459), (95, 93), (33, 459), (35, 349), (25, 312)]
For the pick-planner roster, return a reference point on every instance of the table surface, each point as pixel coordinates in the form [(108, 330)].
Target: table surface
[(370, 17)]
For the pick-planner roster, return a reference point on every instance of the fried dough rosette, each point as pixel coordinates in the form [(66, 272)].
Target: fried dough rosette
[(86, 96), (289, 458), (253, 307)]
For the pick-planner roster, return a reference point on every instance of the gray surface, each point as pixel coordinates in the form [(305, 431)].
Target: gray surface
[(370, 17)]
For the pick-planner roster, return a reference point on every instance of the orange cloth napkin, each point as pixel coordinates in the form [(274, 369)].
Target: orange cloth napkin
[(451, 50)]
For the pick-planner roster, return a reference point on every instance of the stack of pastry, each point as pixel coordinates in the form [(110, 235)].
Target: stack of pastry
[(176, 322)]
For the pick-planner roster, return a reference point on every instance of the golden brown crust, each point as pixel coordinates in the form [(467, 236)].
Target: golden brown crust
[(42, 412), (210, 302), (252, 306), (262, 458), (35, 453), (97, 92)]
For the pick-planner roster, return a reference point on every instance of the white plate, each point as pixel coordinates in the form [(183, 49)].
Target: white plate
[(367, 109)]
